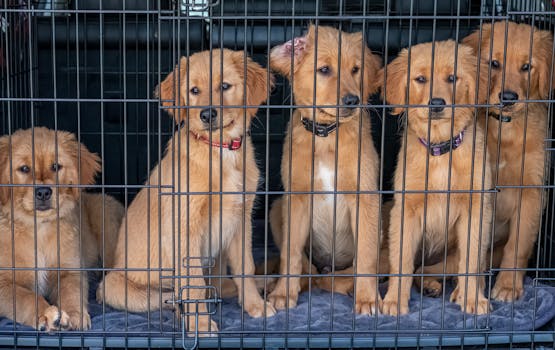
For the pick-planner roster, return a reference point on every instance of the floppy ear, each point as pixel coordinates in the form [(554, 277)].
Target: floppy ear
[(542, 52), (86, 163), (280, 56), (169, 90), (4, 172), (395, 89), (468, 68), (256, 80), (372, 65), (473, 40)]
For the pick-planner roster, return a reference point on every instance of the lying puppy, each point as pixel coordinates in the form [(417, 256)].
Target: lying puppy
[(211, 140), (328, 149), (516, 142), (34, 219), (442, 151)]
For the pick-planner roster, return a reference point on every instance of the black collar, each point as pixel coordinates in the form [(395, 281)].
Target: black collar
[(501, 118), (437, 149), (322, 130)]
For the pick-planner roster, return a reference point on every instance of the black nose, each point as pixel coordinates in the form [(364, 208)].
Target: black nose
[(350, 100), (208, 115), (508, 97), (43, 193), (438, 104)]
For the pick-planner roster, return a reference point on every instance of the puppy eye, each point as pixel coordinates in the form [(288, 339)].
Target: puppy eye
[(452, 78), (495, 64), (195, 90), (420, 79), (24, 169), (225, 86), (324, 70), (56, 167), (355, 69), (525, 67)]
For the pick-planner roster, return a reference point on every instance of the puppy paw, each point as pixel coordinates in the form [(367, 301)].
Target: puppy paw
[(470, 304), (79, 321), (53, 319), (505, 290), (206, 326), (393, 307), (260, 308), (368, 305), (282, 298), (432, 287)]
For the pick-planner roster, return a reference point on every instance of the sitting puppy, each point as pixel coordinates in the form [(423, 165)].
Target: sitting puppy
[(43, 228), (328, 149), (211, 152), (516, 141), (440, 162)]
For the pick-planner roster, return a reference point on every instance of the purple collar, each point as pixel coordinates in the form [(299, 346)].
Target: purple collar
[(437, 149)]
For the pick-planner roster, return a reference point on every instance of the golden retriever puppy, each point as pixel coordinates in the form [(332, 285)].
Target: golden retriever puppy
[(211, 152), (43, 229), (442, 152), (328, 149), (516, 143)]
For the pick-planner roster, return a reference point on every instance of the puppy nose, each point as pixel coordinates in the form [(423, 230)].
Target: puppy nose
[(508, 97), (43, 193), (350, 100), (207, 115), (438, 104)]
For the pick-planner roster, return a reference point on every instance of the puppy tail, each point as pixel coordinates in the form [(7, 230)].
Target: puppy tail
[(124, 294)]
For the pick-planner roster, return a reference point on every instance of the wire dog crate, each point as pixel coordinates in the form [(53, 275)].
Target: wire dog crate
[(91, 67)]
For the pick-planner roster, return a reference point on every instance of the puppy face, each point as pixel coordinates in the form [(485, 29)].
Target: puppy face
[(437, 90), (216, 80), (334, 59), (525, 76), (74, 165)]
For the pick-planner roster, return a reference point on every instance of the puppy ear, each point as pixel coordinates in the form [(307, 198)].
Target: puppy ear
[(256, 79), (169, 90), (542, 56), (86, 164), (4, 172), (395, 89), (467, 68), (296, 49), (473, 40), (372, 67)]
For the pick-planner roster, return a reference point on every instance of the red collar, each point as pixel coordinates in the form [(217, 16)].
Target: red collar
[(234, 145)]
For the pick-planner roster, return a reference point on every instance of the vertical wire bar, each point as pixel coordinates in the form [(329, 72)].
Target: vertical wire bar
[(404, 175), (159, 113), (148, 189), (244, 215)]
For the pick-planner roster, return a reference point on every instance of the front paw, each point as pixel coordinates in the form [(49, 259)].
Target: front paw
[(53, 319), (282, 298), (368, 304), (505, 290), (260, 308), (393, 307), (206, 326), (471, 304), (77, 321)]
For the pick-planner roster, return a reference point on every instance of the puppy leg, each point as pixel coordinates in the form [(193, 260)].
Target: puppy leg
[(247, 292), (30, 309), (291, 252), (368, 299), (191, 287), (72, 297), (431, 285), (396, 300), (472, 246), (517, 250)]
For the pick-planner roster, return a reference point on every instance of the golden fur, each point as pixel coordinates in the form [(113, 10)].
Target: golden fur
[(513, 243), (351, 134), (142, 246), (29, 233), (468, 233)]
